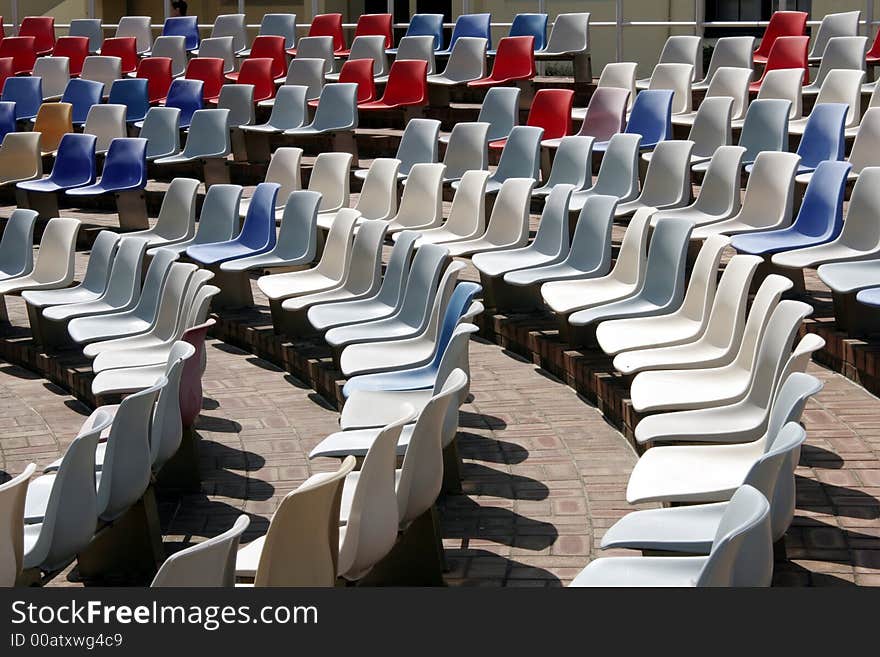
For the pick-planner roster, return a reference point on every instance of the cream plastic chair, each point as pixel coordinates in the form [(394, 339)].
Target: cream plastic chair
[(727, 82), (686, 324), (709, 131), (54, 73), (621, 75), (860, 237), (781, 84), (414, 47), (768, 199), (318, 47), (466, 62), (833, 25), (678, 50), (330, 177), (719, 197), (668, 179), (369, 46), (467, 216), (728, 337), (218, 221), (707, 387), (627, 275), (210, 563), (177, 216), (421, 206), (301, 546), (106, 122), (174, 48), (676, 77), (840, 86), (218, 48), (729, 52), (102, 69), (16, 246), (304, 72), (378, 197), (842, 52), (12, 494), (508, 224), (572, 165), (618, 174), (467, 150), (139, 28), (291, 111), (284, 169), (20, 158)]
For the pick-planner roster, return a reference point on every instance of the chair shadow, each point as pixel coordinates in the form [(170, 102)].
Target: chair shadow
[(479, 479), (462, 518), (218, 424), (226, 457), (263, 364), (818, 457), (492, 450), (219, 516), (847, 502), (472, 567), (466, 419), (78, 407), (19, 372)]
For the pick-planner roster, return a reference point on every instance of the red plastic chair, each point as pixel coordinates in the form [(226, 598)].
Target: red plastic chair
[(407, 86), (514, 60), (271, 47), (42, 28), (125, 48), (551, 110), (360, 72), (75, 48), (788, 52), (326, 25), (157, 71), (6, 70), (258, 72), (22, 51), (782, 24), (872, 57), (372, 25), (210, 71)]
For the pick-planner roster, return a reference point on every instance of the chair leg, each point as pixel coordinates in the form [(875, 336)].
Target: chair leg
[(132, 209), (345, 142), (583, 69), (215, 172), (239, 145), (256, 146), (181, 472), (451, 469), (45, 203), (235, 289)]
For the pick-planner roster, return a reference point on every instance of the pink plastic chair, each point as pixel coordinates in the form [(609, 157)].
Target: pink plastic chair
[(191, 379), (606, 113)]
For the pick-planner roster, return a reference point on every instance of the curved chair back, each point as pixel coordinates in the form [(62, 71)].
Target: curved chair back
[(162, 132), (784, 84), (283, 25), (668, 179), (125, 166), (719, 192), (138, 27), (782, 24), (106, 123), (733, 83), (427, 24), (26, 93), (317, 47), (370, 47), (307, 72), (55, 74), (231, 25), (210, 563), (330, 177), (134, 94), (651, 116), (258, 230), (378, 197), (12, 496), (591, 243), (467, 61), (75, 161), (418, 144), (572, 164), (186, 96), (471, 25), (619, 172), (183, 26), (172, 48), (467, 149), (467, 216), (677, 78), (337, 108), (834, 25), (298, 236), (500, 109), (769, 197), (125, 48), (620, 75), (208, 134), (765, 127), (606, 113), (218, 48), (210, 71), (823, 137), (521, 156), (239, 100), (89, 28), (711, 127), (20, 157), (16, 245), (730, 52)]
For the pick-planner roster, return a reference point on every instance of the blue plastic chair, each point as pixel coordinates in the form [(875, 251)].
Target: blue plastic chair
[(533, 25), (132, 93), (26, 93), (185, 95), (125, 169), (74, 165), (651, 117), (424, 376), (424, 25), (823, 137), (819, 220), (7, 118), (257, 233), (470, 25), (185, 26), (82, 94), (869, 297)]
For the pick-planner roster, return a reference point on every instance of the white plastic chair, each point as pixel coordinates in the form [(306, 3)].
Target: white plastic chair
[(833, 25), (54, 72), (138, 27), (678, 50), (239, 100), (520, 158), (330, 177), (572, 165), (317, 47), (466, 62), (618, 174), (12, 494), (378, 197), (226, 25), (676, 77), (735, 52), (467, 149), (210, 563), (16, 246), (218, 48), (842, 52), (174, 48), (106, 122), (840, 86), (421, 206), (20, 157), (54, 265), (728, 82), (467, 216), (291, 111), (102, 69), (781, 84), (710, 129), (284, 169), (508, 224), (218, 221), (621, 75), (177, 215), (337, 111), (414, 47), (668, 179), (303, 72), (89, 28)]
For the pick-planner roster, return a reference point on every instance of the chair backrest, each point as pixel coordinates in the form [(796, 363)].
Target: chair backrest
[(82, 94), (134, 94), (621, 75), (732, 51), (239, 100), (844, 86), (328, 25), (733, 83), (860, 228), (606, 113), (763, 305), (161, 131), (186, 96), (177, 215), (467, 215), (378, 197), (364, 272), (619, 172), (360, 72), (629, 267), (106, 123), (842, 53), (284, 169), (417, 48), (22, 50), (407, 81), (125, 166), (75, 161), (667, 257), (154, 281), (552, 236), (765, 127), (769, 196), (54, 120), (103, 69), (782, 24), (515, 59), (336, 257), (784, 84), (283, 25), (210, 71), (26, 93), (337, 108), (257, 72), (467, 60), (101, 257), (298, 236), (719, 192), (572, 163), (521, 156), (591, 243), (89, 28), (467, 149), (534, 25), (864, 151), (16, 245), (677, 78), (301, 546), (427, 24), (834, 25), (375, 24), (231, 25), (742, 551), (551, 110), (166, 428), (184, 26), (823, 137), (821, 211), (500, 109), (330, 176), (683, 49), (42, 28), (12, 496), (20, 157), (727, 316), (397, 270), (208, 134), (210, 563), (7, 69), (123, 47), (703, 284), (651, 116), (473, 25), (7, 118), (124, 281), (788, 52), (258, 230), (218, 221), (668, 179), (219, 48), (55, 74), (138, 27), (418, 144), (172, 48), (308, 72), (422, 201), (372, 47), (711, 127), (509, 221), (317, 47), (421, 285)]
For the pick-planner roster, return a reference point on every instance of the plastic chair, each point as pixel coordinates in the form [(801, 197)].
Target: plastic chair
[(678, 50), (210, 71), (470, 25), (765, 128), (337, 111), (841, 53), (75, 48), (89, 28), (520, 158), (162, 132), (425, 25), (421, 206), (158, 74), (823, 137), (515, 60), (508, 223), (139, 28), (218, 221), (667, 182), (467, 150), (534, 25), (12, 496), (676, 77), (74, 166), (101, 69), (569, 35), (322, 25), (20, 157), (359, 72), (371, 25), (317, 47), (16, 245), (125, 169), (283, 25), (621, 75), (618, 174), (412, 49), (283, 169), (54, 263), (206, 564), (378, 197), (782, 24), (125, 48), (239, 100), (258, 73), (305, 72), (106, 122), (42, 28), (291, 111), (711, 128), (727, 82), (330, 177), (230, 25), (467, 62), (651, 118), (787, 52), (208, 138), (271, 47), (550, 111), (26, 93), (840, 86), (572, 165), (6, 70), (729, 52), (22, 51), (500, 109), (218, 48), (604, 118), (185, 26), (53, 71), (418, 145), (185, 96), (7, 118), (134, 95), (370, 47), (172, 48)]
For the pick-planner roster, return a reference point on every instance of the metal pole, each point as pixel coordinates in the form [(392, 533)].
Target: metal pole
[(869, 17), (240, 6), (618, 18), (15, 13)]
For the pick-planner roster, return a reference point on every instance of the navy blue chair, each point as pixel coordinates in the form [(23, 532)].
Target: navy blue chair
[(125, 169), (470, 25), (651, 117), (257, 233), (134, 94), (533, 25), (7, 118), (823, 137), (424, 25), (82, 94), (74, 166), (26, 93), (185, 26), (819, 220), (185, 95)]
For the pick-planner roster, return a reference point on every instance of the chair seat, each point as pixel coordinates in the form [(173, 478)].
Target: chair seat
[(296, 283), (382, 105), (42, 298), (325, 316), (498, 264), (742, 422), (574, 296), (809, 257), (99, 188), (686, 356), (368, 357), (617, 336), (641, 571), (368, 408), (45, 185), (211, 254), (674, 390), (140, 357), (558, 272), (87, 329), (37, 499), (776, 241), (129, 379), (357, 442)]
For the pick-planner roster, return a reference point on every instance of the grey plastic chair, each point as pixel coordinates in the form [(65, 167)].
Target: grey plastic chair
[(378, 197), (418, 145), (218, 221), (210, 563), (161, 129), (174, 48), (330, 177), (337, 111), (289, 112), (467, 216), (139, 28), (230, 25), (520, 157), (735, 52), (500, 109), (102, 69), (317, 47), (833, 25), (711, 128), (840, 86), (765, 128), (621, 75), (466, 62), (177, 215), (218, 48), (284, 169), (414, 47), (370, 46), (677, 78), (841, 52), (239, 100), (16, 246), (106, 122), (508, 225), (54, 73), (283, 25), (729, 82), (89, 28), (208, 138), (12, 497), (468, 149), (421, 206), (572, 165), (306, 72), (668, 179), (569, 35), (678, 50), (618, 174)]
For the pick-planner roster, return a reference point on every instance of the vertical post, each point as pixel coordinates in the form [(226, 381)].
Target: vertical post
[(869, 17), (699, 17), (240, 6), (314, 8), (15, 13), (783, 5), (166, 7), (91, 10), (618, 18), (389, 9)]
